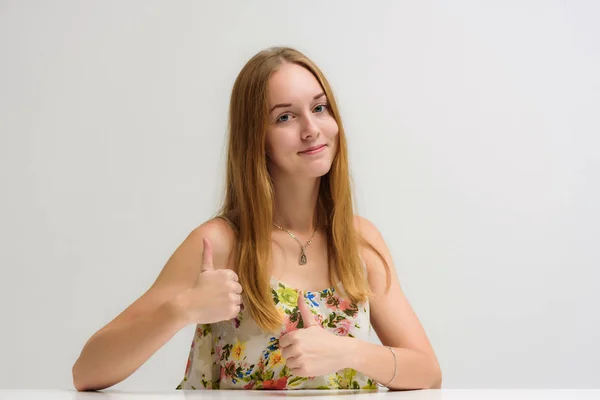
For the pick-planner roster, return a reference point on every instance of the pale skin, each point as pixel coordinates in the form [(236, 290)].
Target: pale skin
[(199, 283)]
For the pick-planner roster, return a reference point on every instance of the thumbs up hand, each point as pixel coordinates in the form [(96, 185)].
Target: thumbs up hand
[(216, 295), (308, 320), (313, 351)]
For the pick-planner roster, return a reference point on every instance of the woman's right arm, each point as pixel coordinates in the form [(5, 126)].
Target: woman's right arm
[(183, 293)]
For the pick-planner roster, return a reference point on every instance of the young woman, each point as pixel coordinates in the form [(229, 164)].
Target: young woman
[(285, 282)]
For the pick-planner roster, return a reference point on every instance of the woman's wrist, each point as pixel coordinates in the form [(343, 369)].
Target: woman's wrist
[(348, 347), (179, 310)]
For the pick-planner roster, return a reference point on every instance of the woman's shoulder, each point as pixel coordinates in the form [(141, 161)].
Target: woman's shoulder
[(222, 237), (367, 229), (374, 245)]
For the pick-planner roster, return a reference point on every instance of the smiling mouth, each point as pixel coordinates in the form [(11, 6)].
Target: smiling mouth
[(312, 151)]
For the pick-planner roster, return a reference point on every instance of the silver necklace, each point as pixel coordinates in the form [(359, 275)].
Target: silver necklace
[(303, 259)]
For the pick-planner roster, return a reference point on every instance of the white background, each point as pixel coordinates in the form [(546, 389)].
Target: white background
[(473, 131)]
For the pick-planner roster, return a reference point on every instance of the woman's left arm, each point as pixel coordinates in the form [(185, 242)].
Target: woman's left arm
[(396, 325)]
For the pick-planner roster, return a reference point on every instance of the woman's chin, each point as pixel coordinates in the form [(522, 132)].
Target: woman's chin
[(318, 171), (315, 169)]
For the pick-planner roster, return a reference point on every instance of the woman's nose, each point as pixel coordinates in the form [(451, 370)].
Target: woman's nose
[(310, 129)]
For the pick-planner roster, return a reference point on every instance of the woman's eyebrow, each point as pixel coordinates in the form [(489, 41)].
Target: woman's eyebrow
[(290, 104)]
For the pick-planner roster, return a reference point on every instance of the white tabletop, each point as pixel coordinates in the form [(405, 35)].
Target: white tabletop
[(444, 394)]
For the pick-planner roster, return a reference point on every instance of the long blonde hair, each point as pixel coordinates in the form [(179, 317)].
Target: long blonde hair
[(248, 202)]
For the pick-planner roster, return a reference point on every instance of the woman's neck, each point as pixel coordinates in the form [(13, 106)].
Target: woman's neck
[(295, 205)]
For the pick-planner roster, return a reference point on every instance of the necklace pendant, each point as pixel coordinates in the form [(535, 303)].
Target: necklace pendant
[(302, 258)]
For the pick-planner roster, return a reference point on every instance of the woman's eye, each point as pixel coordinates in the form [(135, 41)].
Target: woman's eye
[(283, 120), (323, 106)]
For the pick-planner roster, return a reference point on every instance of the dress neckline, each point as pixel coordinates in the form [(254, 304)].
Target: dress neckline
[(276, 282)]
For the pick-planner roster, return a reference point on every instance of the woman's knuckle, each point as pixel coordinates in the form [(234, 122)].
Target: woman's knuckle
[(234, 310), (232, 275)]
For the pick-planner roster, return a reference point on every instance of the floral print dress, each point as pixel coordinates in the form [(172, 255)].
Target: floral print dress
[(237, 354)]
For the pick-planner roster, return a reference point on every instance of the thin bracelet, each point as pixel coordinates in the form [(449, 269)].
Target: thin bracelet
[(395, 369)]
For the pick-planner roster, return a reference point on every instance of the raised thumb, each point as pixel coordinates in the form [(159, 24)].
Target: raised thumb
[(308, 319), (207, 256)]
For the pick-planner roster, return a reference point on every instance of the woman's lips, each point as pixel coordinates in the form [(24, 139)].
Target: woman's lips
[(314, 151)]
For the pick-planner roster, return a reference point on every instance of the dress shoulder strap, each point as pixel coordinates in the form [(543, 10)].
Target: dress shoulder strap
[(230, 222)]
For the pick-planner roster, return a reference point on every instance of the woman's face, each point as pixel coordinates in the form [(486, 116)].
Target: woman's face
[(299, 120)]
